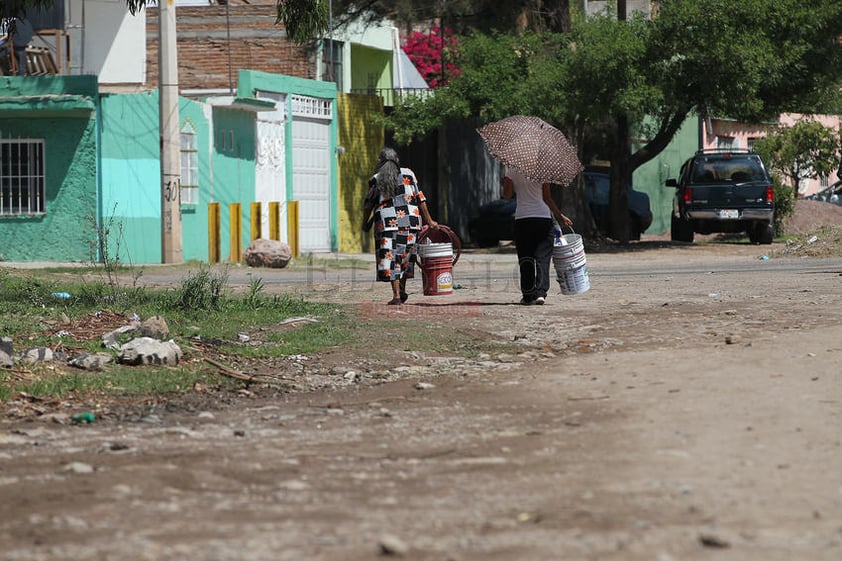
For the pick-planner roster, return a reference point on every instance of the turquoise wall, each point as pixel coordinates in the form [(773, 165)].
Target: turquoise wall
[(233, 170), (194, 218), (651, 176), (66, 111), (131, 178), (131, 175)]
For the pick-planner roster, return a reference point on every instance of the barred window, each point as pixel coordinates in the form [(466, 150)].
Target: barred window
[(332, 62), (189, 166), (21, 177), (726, 143)]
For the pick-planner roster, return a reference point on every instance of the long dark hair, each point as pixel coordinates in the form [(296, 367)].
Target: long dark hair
[(387, 174)]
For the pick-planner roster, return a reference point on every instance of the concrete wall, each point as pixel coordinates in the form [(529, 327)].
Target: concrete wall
[(106, 40), (62, 112)]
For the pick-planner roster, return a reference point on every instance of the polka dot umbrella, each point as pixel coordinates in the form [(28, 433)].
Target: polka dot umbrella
[(532, 146)]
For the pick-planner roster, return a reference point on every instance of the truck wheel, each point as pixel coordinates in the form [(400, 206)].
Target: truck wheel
[(634, 228), (764, 233), (681, 230)]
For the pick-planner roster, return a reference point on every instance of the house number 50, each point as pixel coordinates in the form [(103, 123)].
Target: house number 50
[(171, 190)]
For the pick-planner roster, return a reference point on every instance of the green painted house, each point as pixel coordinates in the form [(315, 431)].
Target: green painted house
[(81, 170), (50, 204)]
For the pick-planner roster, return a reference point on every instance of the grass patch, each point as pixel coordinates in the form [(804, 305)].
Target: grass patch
[(204, 316), (34, 313), (122, 381)]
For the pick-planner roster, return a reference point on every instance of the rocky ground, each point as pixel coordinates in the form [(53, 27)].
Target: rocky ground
[(686, 407)]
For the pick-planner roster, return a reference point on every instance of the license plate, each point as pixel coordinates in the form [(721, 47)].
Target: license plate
[(730, 213)]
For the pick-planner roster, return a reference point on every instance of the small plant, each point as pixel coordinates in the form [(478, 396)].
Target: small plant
[(202, 291), (254, 297), (105, 250)]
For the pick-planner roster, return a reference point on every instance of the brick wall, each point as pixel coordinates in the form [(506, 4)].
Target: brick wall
[(257, 43)]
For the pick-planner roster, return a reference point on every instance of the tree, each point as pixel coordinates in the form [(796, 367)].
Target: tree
[(302, 19), (804, 150), (746, 59), (462, 15)]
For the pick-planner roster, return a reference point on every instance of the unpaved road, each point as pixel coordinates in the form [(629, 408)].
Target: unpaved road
[(688, 406)]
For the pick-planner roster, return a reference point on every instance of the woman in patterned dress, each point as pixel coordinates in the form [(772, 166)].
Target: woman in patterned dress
[(399, 206)]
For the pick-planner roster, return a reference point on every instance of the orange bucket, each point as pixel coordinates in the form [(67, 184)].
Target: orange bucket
[(437, 259)]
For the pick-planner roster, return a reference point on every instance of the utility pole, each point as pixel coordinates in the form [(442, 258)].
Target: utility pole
[(171, 243)]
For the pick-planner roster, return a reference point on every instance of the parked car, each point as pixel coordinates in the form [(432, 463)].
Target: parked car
[(723, 191), (831, 194), (597, 193), (496, 219)]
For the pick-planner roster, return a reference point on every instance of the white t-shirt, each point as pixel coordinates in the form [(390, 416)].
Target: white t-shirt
[(530, 197)]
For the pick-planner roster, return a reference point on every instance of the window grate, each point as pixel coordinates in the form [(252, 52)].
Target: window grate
[(189, 168), (305, 106), (21, 177)]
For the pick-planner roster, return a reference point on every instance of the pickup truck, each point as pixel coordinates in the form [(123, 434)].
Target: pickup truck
[(723, 191)]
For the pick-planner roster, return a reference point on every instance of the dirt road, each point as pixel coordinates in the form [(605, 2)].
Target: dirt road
[(688, 406)]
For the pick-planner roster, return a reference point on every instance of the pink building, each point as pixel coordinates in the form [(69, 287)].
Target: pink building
[(726, 133)]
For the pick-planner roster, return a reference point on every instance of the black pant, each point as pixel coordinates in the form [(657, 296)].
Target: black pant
[(534, 240)]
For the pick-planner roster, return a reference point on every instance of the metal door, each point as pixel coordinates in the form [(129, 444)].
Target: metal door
[(311, 161)]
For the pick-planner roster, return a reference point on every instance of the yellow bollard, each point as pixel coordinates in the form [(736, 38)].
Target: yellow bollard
[(275, 221), (292, 226), (236, 233), (256, 221), (213, 233)]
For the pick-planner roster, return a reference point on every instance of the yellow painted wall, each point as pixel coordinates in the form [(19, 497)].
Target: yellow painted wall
[(362, 141)]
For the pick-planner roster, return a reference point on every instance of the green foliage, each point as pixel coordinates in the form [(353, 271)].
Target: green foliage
[(605, 76), (303, 19), (805, 150), (501, 75), (254, 296), (784, 204), (201, 305), (747, 59)]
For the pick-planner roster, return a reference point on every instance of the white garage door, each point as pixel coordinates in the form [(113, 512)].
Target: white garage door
[(311, 171)]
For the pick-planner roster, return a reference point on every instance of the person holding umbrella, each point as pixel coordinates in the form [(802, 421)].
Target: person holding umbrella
[(534, 233), (398, 206), (535, 154)]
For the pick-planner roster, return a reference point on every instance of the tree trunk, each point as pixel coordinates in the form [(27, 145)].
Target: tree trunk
[(557, 15), (618, 204)]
